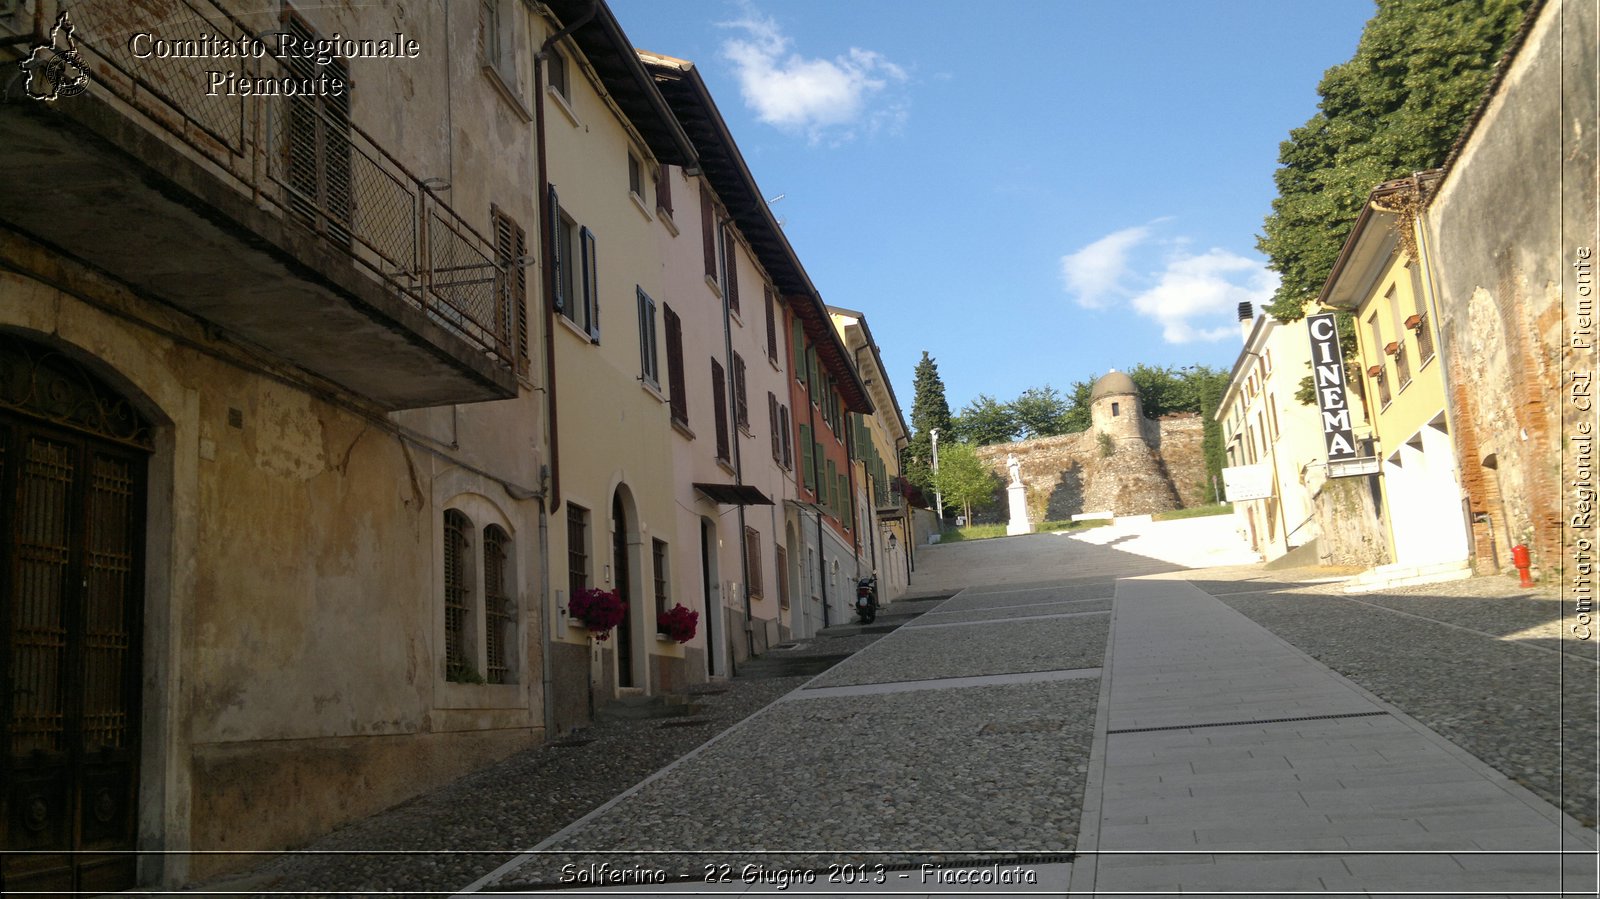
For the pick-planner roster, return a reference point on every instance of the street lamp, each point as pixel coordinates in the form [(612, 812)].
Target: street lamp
[(938, 497)]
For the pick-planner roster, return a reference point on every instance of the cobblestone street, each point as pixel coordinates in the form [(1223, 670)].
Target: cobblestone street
[(1066, 710)]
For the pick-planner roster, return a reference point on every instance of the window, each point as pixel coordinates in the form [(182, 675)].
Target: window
[(489, 44), (772, 325), (830, 488), (1272, 409), (719, 391), (499, 606), (680, 396), (577, 289), (318, 144), (649, 363), (741, 405), (1424, 338), (480, 606), (1116, 409), (458, 577), (784, 432), (1402, 367), (664, 190), (511, 252), (708, 234), (782, 573), (772, 422), (756, 583), (577, 550), (798, 338), (658, 561), (635, 177), (556, 71), (843, 503), (1382, 380)]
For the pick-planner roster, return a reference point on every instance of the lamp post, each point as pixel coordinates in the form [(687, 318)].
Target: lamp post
[(938, 497)]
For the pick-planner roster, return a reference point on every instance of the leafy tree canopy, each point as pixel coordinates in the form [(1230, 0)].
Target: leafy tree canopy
[(1040, 412), (986, 420), (1395, 108), (963, 478)]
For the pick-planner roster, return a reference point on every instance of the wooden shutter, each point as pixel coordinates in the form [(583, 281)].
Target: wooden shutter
[(719, 390), (591, 284), (782, 572), (741, 405), (708, 232), (730, 264), (772, 324), (680, 398), (755, 583), (799, 338), (783, 431), (807, 460), (664, 189), (511, 317), (772, 421), (558, 299)]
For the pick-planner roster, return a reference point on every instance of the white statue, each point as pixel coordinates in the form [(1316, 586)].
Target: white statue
[(1015, 468)]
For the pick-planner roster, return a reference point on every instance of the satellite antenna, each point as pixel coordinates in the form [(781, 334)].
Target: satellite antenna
[(781, 221)]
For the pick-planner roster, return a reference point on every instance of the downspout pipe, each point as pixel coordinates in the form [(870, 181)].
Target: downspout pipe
[(548, 250)]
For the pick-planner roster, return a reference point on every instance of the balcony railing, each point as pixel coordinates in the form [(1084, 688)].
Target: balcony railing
[(301, 158)]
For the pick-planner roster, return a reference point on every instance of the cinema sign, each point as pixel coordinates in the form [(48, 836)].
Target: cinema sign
[(1333, 397)]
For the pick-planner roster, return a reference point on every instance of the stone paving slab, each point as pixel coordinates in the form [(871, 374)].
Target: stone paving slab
[(1181, 657), (1001, 648), (974, 600)]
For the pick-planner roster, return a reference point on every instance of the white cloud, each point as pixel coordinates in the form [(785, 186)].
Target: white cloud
[(1193, 296), (815, 96), (1097, 271)]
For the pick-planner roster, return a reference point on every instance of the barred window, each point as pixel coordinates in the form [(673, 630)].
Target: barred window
[(457, 593), (1424, 339), (499, 606), (658, 559), (577, 550)]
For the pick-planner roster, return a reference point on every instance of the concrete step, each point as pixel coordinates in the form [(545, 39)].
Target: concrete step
[(1400, 575)]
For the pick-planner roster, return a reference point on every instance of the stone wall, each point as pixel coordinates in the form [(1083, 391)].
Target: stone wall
[(1072, 473), (1349, 531)]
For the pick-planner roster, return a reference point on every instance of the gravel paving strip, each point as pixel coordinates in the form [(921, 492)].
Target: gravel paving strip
[(925, 653), (977, 769), (1064, 607), (514, 804), (1499, 701), (970, 600)]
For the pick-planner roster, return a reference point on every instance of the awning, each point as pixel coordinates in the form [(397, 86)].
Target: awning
[(734, 494)]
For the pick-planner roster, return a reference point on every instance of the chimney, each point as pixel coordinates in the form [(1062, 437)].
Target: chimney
[(1247, 319)]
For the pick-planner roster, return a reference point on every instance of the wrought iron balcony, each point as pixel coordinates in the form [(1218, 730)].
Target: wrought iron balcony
[(276, 219)]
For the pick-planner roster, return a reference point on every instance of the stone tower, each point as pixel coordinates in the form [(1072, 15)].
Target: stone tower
[(1114, 407)]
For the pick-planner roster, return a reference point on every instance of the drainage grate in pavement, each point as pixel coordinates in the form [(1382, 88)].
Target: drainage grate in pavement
[(1145, 730)]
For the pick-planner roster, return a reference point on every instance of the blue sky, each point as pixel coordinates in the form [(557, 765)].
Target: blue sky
[(1033, 191)]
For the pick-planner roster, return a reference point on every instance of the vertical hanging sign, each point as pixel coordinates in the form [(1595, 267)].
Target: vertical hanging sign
[(1327, 373)]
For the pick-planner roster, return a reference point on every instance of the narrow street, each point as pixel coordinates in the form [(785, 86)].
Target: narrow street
[(1086, 714), (999, 741)]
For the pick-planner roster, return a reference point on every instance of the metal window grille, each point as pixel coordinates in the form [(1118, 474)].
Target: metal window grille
[(499, 606), (1383, 387), (577, 549), (457, 593), (1424, 339), (1402, 366)]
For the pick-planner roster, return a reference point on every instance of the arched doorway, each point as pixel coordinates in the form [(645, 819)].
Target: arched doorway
[(622, 573), (73, 460)]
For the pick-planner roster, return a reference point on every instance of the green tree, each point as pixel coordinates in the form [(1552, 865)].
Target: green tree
[(983, 421), (963, 478), (1040, 412), (1395, 108), (929, 411), (1077, 418)]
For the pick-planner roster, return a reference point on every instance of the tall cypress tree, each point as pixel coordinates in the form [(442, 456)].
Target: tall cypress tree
[(929, 410)]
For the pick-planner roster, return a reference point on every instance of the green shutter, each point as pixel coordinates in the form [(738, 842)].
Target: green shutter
[(799, 351), (808, 470)]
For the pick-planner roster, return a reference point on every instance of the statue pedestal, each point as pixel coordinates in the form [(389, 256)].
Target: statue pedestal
[(1019, 511)]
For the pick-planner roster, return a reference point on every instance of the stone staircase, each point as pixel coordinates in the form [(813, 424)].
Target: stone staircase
[(1399, 575), (632, 704)]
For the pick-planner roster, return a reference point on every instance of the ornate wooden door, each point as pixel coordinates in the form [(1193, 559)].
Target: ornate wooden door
[(71, 573)]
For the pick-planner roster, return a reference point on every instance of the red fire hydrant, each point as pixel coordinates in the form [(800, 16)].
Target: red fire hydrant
[(1519, 558)]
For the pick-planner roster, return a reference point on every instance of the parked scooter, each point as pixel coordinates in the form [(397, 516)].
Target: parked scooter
[(867, 599)]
